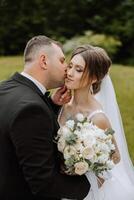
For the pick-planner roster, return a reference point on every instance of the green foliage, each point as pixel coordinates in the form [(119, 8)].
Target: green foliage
[(21, 20), (123, 79), (71, 139), (70, 161), (10, 64), (109, 131), (109, 43)]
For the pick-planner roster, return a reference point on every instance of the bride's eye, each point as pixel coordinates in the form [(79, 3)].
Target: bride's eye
[(79, 70)]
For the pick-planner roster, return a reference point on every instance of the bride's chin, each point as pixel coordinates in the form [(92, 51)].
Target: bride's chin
[(68, 86)]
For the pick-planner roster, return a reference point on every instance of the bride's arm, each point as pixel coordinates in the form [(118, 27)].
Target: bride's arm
[(116, 155), (102, 122)]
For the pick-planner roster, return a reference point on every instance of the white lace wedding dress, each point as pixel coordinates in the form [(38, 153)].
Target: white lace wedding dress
[(118, 187), (121, 185)]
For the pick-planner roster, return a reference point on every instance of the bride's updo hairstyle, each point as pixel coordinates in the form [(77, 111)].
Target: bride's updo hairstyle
[(97, 63)]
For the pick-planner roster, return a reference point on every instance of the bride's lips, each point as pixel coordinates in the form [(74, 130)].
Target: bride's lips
[(68, 79)]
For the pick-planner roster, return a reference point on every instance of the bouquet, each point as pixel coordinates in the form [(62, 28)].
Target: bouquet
[(85, 147)]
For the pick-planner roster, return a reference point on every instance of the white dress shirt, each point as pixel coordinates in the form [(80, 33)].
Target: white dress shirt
[(37, 83)]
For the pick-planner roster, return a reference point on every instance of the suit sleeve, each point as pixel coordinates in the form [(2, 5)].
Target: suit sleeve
[(31, 134)]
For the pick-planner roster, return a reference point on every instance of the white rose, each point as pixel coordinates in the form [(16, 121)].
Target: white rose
[(80, 117), (104, 147), (100, 133), (109, 137), (103, 158), (78, 146), (88, 153), (89, 140), (81, 168), (76, 132), (97, 149), (61, 144), (110, 164), (70, 124), (110, 145), (94, 159), (79, 125), (87, 125), (86, 131), (69, 151), (65, 132)]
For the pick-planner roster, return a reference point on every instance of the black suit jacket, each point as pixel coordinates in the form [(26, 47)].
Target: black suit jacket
[(29, 164)]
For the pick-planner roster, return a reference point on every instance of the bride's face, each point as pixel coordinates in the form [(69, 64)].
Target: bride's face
[(75, 72)]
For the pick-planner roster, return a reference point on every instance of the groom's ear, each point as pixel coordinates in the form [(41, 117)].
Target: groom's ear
[(43, 62)]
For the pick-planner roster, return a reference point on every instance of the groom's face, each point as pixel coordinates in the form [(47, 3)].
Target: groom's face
[(57, 67)]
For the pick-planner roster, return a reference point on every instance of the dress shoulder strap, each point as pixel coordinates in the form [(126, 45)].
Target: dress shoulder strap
[(95, 112)]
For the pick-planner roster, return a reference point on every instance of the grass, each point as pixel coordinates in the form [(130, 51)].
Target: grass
[(9, 65), (123, 80)]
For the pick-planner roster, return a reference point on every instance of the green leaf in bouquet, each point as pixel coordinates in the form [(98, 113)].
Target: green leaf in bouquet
[(98, 168), (71, 139), (109, 131), (70, 161), (89, 162), (85, 120)]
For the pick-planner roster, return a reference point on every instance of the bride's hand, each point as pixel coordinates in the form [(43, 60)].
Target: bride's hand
[(100, 181)]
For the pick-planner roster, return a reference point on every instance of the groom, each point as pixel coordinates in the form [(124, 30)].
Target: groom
[(29, 163)]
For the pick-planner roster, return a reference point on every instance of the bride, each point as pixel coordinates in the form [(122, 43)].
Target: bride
[(93, 95)]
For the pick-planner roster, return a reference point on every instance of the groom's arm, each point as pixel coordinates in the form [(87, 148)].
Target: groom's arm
[(31, 134)]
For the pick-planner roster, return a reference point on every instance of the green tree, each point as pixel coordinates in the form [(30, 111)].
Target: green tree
[(20, 20)]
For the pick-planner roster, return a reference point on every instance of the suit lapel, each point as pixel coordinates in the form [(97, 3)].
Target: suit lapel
[(25, 81)]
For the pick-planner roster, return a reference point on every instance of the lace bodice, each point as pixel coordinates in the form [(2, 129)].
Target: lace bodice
[(89, 116), (94, 113)]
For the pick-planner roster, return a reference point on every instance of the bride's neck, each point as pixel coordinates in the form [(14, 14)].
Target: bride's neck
[(82, 97)]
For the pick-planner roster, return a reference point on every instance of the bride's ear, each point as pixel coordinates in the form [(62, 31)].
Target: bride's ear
[(94, 80)]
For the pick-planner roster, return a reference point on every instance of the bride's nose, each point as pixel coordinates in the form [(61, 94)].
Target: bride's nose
[(70, 72)]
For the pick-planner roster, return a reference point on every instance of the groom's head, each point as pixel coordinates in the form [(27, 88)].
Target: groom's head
[(45, 61)]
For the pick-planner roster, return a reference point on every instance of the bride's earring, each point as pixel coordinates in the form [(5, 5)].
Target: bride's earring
[(91, 89)]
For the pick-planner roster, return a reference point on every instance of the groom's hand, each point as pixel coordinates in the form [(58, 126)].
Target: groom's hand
[(61, 96)]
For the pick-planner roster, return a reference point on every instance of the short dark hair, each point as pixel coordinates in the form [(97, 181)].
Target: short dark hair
[(35, 43), (97, 63)]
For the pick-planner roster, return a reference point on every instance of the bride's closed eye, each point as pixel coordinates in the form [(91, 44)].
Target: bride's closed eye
[(77, 68)]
